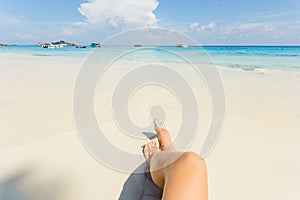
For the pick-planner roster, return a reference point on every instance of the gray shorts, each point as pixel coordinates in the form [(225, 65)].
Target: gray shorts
[(140, 186)]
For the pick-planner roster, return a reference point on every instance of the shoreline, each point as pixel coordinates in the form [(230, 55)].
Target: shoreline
[(82, 55)]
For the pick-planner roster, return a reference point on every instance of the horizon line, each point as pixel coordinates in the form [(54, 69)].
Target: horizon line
[(165, 45)]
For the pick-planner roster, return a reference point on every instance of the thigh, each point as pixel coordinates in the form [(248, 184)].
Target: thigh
[(186, 178), (159, 165)]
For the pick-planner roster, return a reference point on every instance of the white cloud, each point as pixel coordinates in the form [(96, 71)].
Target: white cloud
[(74, 29), (79, 25), (273, 32), (119, 13), (67, 32), (249, 29), (264, 27), (272, 15), (194, 25), (209, 26)]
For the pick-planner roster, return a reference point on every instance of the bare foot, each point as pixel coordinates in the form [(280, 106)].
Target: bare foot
[(163, 135), (150, 148)]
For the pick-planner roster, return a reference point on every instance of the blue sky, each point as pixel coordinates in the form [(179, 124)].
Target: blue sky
[(213, 22)]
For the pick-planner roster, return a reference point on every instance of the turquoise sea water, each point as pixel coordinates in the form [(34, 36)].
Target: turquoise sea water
[(267, 57)]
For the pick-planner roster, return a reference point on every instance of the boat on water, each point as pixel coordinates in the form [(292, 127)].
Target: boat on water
[(54, 45), (81, 46), (137, 45), (95, 45), (182, 45), (45, 45)]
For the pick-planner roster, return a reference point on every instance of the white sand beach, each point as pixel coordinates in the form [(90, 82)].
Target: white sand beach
[(41, 156)]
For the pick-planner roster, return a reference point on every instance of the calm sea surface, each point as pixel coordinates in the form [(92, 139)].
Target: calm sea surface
[(267, 57)]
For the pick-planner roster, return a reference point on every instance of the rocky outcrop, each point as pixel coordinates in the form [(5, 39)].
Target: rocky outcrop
[(7, 45), (58, 42)]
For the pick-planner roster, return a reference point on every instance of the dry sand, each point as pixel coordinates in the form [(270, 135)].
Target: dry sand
[(41, 156)]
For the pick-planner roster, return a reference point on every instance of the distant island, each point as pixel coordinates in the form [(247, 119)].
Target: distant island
[(62, 43), (7, 45)]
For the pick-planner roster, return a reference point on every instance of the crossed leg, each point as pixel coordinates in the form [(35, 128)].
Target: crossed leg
[(181, 175), (185, 178)]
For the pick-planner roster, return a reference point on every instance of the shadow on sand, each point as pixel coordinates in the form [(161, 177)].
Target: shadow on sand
[(18, 187)]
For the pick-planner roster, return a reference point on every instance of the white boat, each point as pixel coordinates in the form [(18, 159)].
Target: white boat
[(54, 45), (184, 45), (95, 45)]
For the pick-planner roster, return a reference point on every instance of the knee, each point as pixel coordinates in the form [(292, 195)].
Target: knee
[(192, 159)]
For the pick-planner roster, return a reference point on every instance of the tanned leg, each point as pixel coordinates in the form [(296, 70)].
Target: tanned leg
[(186, 178), (181, 175)]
